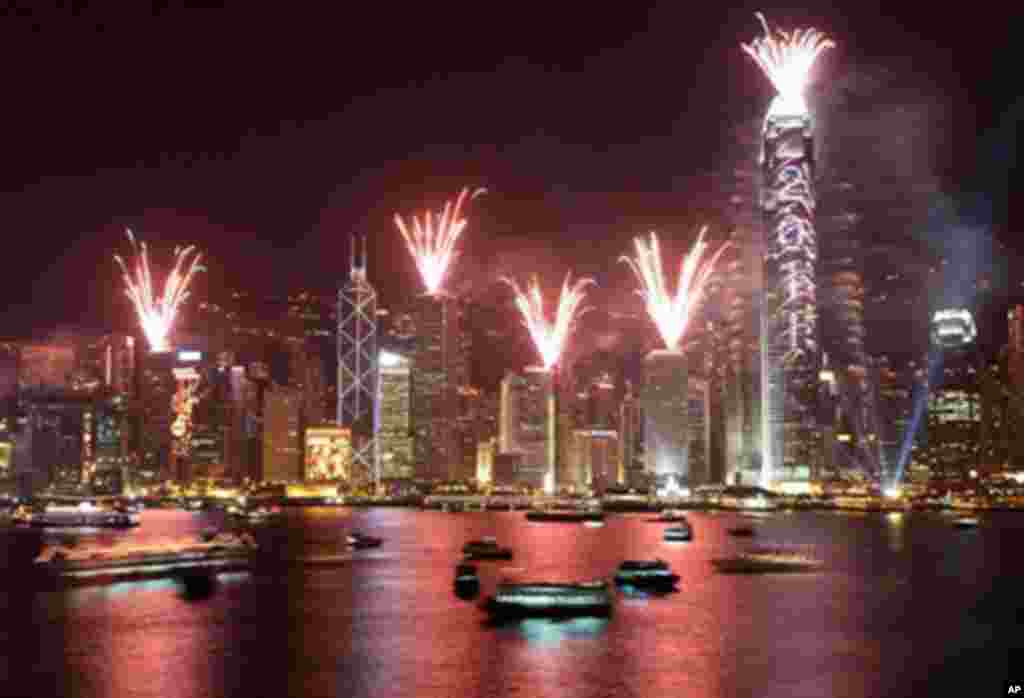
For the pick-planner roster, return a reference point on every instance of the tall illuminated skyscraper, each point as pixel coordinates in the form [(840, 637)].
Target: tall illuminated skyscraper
[(665, 401), (527, 423), (394, 437), (440, 366), (789, 312), (357, 366)]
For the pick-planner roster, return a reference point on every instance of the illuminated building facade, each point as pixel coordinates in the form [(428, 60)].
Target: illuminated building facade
[(741, 388), (631, 442), (698, 423), (283, 428), (790, 345), (247, 386), (594, 460), (357, 367), (45, 367), (328, 454), (440, 366), (155, 414), (528, 423), (394, 436), (955, 430), (485, 453), (665, 401)]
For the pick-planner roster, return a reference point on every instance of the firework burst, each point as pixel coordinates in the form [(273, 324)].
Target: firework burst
[(786, 59), (550, 338), (431, 240), (157, 313), (670, 312)]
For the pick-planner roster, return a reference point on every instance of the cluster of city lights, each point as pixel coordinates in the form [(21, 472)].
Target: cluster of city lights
[(786, 59)]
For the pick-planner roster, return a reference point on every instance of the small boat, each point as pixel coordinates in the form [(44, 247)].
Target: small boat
[(84, 514), (360, 541), (253, 516), (742, 532), (565, 515), (467, 583), (646, 573), (966, 522), (519, 600), (762, 561), (465, 573), (675, 534), (486, 549), (670, 516)]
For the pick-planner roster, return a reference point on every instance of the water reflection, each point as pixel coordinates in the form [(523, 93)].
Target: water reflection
[(545, 632), (388, 623)]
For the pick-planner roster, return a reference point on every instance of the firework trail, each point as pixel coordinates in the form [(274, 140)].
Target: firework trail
[(670, 312), (786, 59), (157, 313), (431, 241), (550, 338)]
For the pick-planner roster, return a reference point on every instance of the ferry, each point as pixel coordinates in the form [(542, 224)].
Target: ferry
[(93, 564), (681, 533), (84, 514), (760, 561), (486, 549), (646, 573), (520, 600), (565, 515)]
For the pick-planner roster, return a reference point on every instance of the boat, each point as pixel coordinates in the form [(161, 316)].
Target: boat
[(760, 561), (679, 533), (966, 522), (466, 573), (670, 516), (486, 549), (648, 573), (93, 564), (84, 514), (565, 515), (360, 541), (519, 600), (254, 516), (742, 532)]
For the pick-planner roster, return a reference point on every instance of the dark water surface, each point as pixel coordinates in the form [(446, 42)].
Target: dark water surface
[(906, 605)]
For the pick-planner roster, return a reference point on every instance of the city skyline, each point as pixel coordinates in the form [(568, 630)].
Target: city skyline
[(544, 184)]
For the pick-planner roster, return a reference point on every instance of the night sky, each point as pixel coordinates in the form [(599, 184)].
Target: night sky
[(268, 137)]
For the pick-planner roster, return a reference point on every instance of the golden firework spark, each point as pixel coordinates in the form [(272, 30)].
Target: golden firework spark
[(670, 312), (431, 241), (550, 338), (786, 59), (157, 313)]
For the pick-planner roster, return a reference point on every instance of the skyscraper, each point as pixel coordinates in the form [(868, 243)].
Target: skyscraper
[(357, 366), (440, 367), (283, 428), (665, 401), (528, 424), (394, 437), (790, 305)]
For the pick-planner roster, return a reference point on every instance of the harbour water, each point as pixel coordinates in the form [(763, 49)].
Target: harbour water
[(905, 605)]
